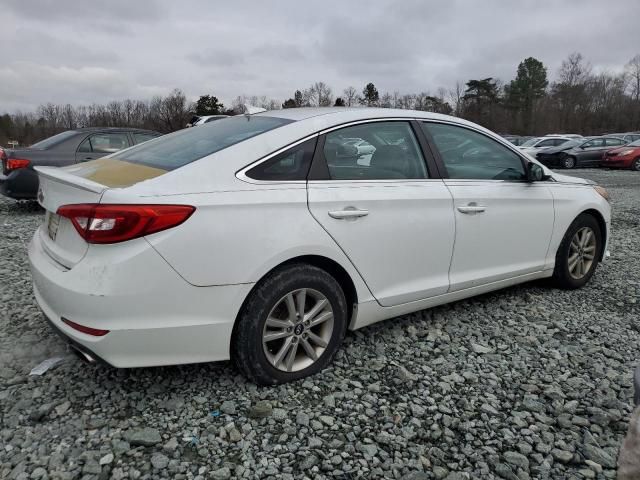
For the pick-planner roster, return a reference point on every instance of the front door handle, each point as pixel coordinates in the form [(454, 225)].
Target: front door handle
[(349, 212), (471, 208)]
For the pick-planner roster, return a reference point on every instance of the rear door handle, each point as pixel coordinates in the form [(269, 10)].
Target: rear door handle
[(471, 208), (349, 212)]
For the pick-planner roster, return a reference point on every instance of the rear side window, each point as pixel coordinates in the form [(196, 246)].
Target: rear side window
[(292, 164), (471, 155), (613, 142), (374, 151), (142, 137), (109, 142), (185, 146), (105, 143)]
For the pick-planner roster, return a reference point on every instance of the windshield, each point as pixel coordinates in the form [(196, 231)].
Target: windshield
[(530, 143), (634, 144), (185, 146), (52, 141)]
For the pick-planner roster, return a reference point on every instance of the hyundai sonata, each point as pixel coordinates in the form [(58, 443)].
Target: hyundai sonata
[(264, 238)]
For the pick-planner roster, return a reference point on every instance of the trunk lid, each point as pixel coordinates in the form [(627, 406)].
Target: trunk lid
[(58, 236)]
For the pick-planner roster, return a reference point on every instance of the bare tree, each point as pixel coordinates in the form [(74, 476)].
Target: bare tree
[(318, 95), (350, 96), (632, 69)]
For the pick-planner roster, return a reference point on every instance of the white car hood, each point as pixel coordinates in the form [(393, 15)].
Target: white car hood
[(569, 179)]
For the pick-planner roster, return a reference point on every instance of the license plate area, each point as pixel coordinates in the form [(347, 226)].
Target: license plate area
[(53, 222)]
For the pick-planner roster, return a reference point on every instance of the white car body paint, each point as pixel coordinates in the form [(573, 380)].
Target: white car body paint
[(173, 297)]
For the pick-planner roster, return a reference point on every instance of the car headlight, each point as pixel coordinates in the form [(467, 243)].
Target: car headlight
[(629, 151), (602, 192)]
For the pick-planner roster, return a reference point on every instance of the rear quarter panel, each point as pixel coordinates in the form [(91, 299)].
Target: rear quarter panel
[(237, 237)]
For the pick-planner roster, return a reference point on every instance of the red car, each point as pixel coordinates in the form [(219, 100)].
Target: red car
[(623, 157)]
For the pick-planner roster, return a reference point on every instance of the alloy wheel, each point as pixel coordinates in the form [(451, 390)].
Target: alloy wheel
[(636, 165), (297, 330), (582, 252), (569, 162)]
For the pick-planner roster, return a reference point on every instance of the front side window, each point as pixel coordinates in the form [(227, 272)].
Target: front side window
[(471, 155), (139, 137), (108, 142), (185, 146), (593, 143), (292, 164), (547, 143), (374, 151)]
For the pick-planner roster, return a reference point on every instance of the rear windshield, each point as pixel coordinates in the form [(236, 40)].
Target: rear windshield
[(53, 141), (180, 148)]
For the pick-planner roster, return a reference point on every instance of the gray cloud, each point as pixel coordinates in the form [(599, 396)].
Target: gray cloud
[(81, 52)]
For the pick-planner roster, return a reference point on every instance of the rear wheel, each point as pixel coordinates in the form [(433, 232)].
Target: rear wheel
[(291, 325), (569, 162), (579, 253), (636, 165)]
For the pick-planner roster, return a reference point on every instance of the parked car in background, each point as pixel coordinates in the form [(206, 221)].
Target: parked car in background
[(201, 120), (537, 144), (186, 261), (586, 153), (517, 140), (627, 156), (566, 135), (20, 181)]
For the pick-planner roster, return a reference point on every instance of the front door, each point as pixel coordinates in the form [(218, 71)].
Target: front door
[(394, 223), (503, 223)]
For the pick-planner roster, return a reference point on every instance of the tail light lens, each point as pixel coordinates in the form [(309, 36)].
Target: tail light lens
[(109, 223), (96, 332), (16, 163)]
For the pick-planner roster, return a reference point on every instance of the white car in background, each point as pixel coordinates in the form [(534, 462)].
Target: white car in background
[(250, 238), (201, 120), (535, 145)]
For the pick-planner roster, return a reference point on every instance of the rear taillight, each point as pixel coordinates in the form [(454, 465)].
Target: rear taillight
[(109, 223), (16, 163)]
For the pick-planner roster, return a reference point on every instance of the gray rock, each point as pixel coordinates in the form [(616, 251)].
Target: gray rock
[(159, 461), (562, 456), (146, 436), (302, 419), (221, 474), (261, 409), (308, 462), (517, 459), (228, 407), (107, 459), (598, 455)]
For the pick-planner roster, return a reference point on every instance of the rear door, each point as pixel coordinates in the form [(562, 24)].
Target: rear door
[(385, 209), (100, 144), (591, 152), (503, 223)]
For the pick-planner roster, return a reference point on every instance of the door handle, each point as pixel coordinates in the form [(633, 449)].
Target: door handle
[(472, 208), (349, 212)]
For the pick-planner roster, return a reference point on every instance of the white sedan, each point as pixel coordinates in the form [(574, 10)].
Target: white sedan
[(251, 238)]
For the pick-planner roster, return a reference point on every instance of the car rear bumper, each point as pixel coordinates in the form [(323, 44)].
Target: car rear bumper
[(154, 317), (19, 184)]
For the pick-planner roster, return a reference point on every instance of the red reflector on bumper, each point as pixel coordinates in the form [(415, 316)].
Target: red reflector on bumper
[(96, 332)]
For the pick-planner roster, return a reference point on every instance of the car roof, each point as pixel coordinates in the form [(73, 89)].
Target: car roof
[(337, 114), (111, 129)]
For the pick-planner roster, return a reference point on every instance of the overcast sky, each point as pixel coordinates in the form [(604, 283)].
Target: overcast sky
[(80, 52)]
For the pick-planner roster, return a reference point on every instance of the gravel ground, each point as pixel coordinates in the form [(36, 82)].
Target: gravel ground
[(528, 382)]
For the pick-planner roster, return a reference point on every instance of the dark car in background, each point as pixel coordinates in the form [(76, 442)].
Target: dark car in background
[(576, 154), (19, 180), (627, 156)]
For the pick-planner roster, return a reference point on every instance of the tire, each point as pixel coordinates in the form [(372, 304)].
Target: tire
[(256, 344), (636, 165), (569, 162), (564, 276)]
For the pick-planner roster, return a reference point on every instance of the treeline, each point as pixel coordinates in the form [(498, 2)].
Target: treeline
[(578, 101)]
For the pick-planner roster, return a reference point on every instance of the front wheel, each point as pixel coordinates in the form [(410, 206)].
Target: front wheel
[(579, 253), (569, 162), (291, 325), (636, 165)]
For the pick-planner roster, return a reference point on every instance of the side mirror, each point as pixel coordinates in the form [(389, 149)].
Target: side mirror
[(535, 173)]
